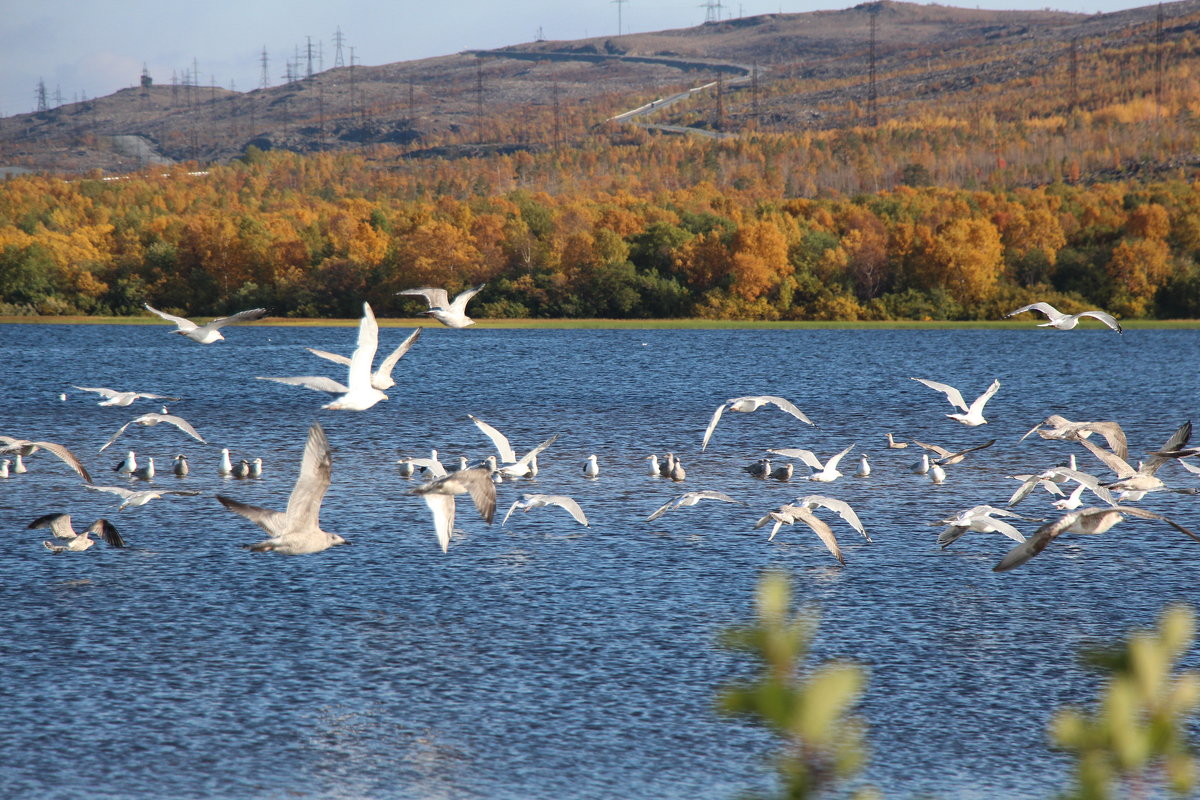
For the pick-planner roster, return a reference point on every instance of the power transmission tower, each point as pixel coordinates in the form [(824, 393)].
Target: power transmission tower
[(308, 55), (872, 96), (41, 96), (619, 4), (712, 10), (411, 99), (337, 48), (264, 80)]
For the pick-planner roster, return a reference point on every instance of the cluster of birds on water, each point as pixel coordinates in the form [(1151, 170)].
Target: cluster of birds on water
[(297, 529)]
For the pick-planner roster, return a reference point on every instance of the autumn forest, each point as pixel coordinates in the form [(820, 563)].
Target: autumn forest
[(962, 206)]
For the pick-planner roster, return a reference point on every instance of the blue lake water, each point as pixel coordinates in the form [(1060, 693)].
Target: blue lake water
[(543, 659)]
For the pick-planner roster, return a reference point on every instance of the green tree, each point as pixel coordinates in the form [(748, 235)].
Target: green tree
[(823, 741)]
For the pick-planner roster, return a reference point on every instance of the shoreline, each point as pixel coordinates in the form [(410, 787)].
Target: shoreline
[(622, 324)]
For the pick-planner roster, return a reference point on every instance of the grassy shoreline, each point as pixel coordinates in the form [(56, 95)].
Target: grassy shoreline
[(619, 324)]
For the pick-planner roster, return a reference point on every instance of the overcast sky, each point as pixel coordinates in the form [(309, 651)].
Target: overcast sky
[(90, 48)]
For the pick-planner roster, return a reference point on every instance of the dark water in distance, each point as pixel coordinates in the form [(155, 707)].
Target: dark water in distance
[(543, 659)]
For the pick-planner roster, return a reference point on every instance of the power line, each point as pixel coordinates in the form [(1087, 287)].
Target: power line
[(619, 4)]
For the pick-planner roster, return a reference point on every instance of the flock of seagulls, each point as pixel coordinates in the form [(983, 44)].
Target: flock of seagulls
[(297, 530)]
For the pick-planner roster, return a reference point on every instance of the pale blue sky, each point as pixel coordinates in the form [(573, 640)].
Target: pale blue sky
[(90, 48)]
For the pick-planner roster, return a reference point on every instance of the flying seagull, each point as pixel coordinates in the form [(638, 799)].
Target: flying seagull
[(748, 404), (529, 501), (973, 414), (60, 526), (1065, 322), (297, 530), (439, 493), (209, 333), (1136, 482), (25, 447), (1084, 520), (820, 472), (113, 397), (129, 497), (152, 419), (691, 499), (1061, 428), (981, 519), (381, 378), (946, 457), (802, 511), (451, 314)]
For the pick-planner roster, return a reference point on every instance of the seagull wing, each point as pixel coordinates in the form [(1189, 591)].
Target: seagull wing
[(442, 506), (241, 316), (1036, 543), (1050, 311), (336, 358), (184, 325), (823, 531), (833, 462), (568, 503), (434, 296), (100, 390), (108, 532), (116, 435), (981, 401), (953, 395), (1144, 514), (839, 507), (933, 448), (66, 456), (712, 425), (507, 454), (459, 305), (59, 525), (1177, 441), (178, 422), (273, 522), (1106, 318), (807, 456), (364, 352), (119, 491), (787, 406), (951, 534), (1111, 460), (317, 383), (316, 469), (664, 508), (525, 459), (954, 458), (384, 372), (1089, 482), (516, 504), (1113, 434)]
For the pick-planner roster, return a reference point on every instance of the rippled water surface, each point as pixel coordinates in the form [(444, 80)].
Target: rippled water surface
[(542, 659)]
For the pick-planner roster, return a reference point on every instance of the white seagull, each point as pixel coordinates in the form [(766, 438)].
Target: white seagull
[(381, 378), (526, 466), (748, 404), (26, 447), (529, 501), (298, 530), (821, 473), (1065, 322), (451, 314), (129, 497), (591, 468), (361, 394), (1084, 520), (802, 511), (151, 419), (209, 333), (893, 444), (691, 499), (1061, 428), (864, 467), (1136, 482), (946, 457), (60, 526), (114, 397), (973, 413), (439, 493), (981, 519), (1049, 480)]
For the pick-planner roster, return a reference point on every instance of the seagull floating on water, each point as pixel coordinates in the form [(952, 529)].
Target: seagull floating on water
[(298, 530), (60, 526), (1065, 322), (591, 468), (180, 466), (210, 332), (893, 444), (451, 314), (864, 467), (973, 414), (747, 405)]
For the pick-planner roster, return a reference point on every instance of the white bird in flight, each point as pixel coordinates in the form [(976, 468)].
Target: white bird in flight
[(298, 530), (802, 511), (381, 378), (153, 419), (820, 472), (691, 499), (1136, 482), (1084, 520), (129, 497), (26, 447), (748, 404), (451, 314), (113, 397), (439, 494), (1061, 428), (529, 501), (60, 526), (1065, 322), (981, 519), (210, 332), (946, 457), (973, 414)]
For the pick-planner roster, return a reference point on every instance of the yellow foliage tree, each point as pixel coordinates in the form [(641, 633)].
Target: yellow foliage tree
[(760, 259), (964, 258), (1137, 269)]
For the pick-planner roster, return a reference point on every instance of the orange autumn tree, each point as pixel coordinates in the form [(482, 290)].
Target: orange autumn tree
[(964, 258)]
